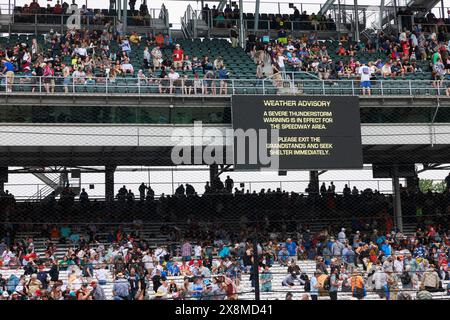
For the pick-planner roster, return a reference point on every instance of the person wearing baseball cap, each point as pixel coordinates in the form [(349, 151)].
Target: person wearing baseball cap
[(97, 291)]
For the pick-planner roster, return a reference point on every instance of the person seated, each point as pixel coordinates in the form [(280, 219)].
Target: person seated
[(187, 64), (386, 70), (127, 67), (283, 256), (134, 38), (397, 69)]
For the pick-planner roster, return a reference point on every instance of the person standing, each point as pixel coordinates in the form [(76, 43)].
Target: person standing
[(8, 70), (314, 283), (334, 284), (234, 35), (142, 189), (266, 279), (447, 181), (365, 75), (357, 283)]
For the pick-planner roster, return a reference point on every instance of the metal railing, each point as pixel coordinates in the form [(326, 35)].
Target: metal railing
[(282, 83), (20, 191), (191, 18), (90, 21)]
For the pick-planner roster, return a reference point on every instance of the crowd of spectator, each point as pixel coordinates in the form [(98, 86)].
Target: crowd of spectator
[(390, 264), (81, 57), (229, 17), (214, 250), (400, 55), (60, 12)]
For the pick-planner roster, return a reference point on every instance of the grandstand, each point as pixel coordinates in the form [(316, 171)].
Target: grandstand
[(97, 92)]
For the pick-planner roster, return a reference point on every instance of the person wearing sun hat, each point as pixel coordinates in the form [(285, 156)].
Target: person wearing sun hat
[(161, 293)]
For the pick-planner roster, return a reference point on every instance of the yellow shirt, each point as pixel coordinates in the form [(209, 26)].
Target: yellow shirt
[(134, 38)]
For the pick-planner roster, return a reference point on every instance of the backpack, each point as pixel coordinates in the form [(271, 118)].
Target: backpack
[(327, 283), (405, 278), (307, 286)]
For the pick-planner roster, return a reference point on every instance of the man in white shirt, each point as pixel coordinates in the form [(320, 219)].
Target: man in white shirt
[(101, 274), (127, 67), (173, 77), (365, 74), (380, 281)]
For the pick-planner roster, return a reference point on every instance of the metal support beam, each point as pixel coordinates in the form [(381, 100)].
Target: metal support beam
[(224, 168), (380, 22), (356, 20), (442, 9), (339, 20), (313, 182), (109, 183), (213, 173), (125, 16), (394, 3), (241, 24), (397, 199), (256, 16), (3, 178), (256, 267)]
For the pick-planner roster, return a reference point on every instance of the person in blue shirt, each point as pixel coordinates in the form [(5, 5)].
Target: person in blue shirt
[(380, 240), (197, 288), (168, 42), (419, 252), (314, 291), (224, 252), (8, 70), (386, 248), (283, 256), (291, 247), (223, 77)]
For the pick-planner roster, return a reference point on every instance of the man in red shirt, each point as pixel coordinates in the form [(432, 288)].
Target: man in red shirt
[(57, 9), (178, 57)]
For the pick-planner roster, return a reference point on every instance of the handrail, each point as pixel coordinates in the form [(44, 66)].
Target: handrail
[(205, 86)]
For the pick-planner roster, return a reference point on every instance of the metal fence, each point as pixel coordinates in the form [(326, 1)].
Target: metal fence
[(286, 84)]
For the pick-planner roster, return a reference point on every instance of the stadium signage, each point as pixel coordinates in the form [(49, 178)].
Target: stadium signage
[(301, 132)]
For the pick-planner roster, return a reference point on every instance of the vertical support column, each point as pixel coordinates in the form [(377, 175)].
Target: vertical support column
[(241, 24), (380, 22), (443, 9), (356, 19), (256, 267), (256, 16), (109, 182), (125, 15), (213, 172), (314, 182), (339, 20), (394, 4), (3, 178), (397, 199)]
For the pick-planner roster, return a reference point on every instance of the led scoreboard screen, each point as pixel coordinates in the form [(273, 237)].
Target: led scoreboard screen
[(296, 132)]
